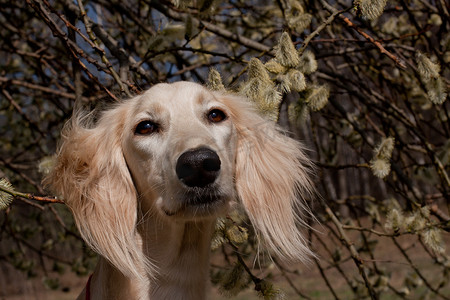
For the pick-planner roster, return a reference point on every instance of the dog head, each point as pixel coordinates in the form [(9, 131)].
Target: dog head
[(180, 152)]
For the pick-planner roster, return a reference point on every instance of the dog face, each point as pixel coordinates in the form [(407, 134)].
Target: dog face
[(180, 145), (183, 152)]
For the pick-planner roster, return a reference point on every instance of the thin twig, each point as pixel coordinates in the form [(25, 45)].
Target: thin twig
[(322, 26), (416, 269), (355, 255), (101, 52), (349, 23), (41, 88), (251, 44), (30, 196), (289, 280), (74, 50)]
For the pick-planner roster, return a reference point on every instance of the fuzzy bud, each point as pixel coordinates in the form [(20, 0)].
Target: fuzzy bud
[(433, 239), (5, 198), (370, 9), (385, 148), (297, 80), (394, 220), (380, 164), (237, 234), (271, 105), (298, 112), (181, 3), (215, 81), (427, 69), (286, 54), (300, 22), (234, 281), (267, 290), (415, 222), (425, 211), (257, 70), (218, 235), (380, 167), (308, 62), (216, 242), (260, 89), (274, 67), (46, 164), (436, 91), (295, 7), (285, 84), (317, 97)]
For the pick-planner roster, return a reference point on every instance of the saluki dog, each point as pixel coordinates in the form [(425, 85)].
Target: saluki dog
[(147, 179)]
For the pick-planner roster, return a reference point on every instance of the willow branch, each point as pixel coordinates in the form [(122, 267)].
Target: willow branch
[(234, 37), (322, 26), (74, 50), (30, 196), (101, 52), (354, 253), (377, 44)]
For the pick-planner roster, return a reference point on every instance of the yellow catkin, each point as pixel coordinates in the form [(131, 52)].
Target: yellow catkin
[(215, 81), (286, 54), (371, 9), (5, 198)]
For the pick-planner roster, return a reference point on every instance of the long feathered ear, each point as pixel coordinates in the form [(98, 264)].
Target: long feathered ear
[(92, 176), (272, 179)]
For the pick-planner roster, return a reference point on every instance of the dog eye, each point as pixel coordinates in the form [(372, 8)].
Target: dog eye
[(216, 115), (145, 128)]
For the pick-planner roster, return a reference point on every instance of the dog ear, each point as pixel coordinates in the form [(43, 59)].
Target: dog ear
[(91, 175), (272, 179)]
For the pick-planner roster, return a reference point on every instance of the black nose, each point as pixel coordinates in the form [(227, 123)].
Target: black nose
[(198, 167)]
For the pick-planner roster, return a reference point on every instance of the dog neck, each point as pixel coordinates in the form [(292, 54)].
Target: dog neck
[(180, 251), (182, 255)]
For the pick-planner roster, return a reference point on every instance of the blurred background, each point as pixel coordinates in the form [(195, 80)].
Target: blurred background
[(363, 84)]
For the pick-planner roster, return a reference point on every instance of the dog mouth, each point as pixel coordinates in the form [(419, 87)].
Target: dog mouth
[(202, 198), (197, 204)]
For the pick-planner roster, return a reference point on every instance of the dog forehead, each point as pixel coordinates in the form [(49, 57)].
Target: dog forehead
[(179, 94)]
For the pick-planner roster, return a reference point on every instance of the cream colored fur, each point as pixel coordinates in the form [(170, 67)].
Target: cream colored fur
[(131, 208)]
